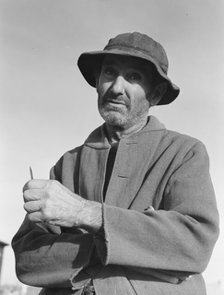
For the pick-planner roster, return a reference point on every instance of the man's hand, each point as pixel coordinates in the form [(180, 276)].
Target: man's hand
[(50, 201)]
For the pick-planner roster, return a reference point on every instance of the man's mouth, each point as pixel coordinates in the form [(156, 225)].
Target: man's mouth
[(115, 101)]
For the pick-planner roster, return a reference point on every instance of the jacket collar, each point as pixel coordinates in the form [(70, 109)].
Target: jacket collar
[(98, 139)]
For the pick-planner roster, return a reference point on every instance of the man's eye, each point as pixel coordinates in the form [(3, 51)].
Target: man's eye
[(134, 77), (109, 71)]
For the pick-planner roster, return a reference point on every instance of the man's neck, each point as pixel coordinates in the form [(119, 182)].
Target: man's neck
[(115, 133)]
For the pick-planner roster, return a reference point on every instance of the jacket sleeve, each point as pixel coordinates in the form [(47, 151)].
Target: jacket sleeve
[(179, 236), (48, 256)]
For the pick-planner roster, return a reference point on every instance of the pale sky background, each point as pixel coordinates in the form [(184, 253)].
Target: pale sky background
[(47, 108)]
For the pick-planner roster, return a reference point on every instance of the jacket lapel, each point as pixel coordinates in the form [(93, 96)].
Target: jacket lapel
[(133, 161), (92, 165)]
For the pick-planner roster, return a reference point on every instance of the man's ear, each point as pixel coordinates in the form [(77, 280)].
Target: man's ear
[(157, 93), (97, 76), (97, 82)]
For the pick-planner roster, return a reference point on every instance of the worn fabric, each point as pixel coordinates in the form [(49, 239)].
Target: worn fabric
[(160, 220)]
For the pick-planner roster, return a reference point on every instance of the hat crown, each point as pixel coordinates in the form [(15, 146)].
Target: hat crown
[(140, 43)]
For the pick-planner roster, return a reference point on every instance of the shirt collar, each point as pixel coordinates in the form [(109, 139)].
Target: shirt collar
[(98, 139)]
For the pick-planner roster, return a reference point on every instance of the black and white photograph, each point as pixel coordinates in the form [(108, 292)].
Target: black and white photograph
[(111, 152)]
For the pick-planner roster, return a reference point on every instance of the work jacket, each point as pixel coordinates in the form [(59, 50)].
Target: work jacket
[(160, 220)]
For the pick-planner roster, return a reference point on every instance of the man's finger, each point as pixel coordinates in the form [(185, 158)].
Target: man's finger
[(35, 217), (35, 184), (33, 195), (32, 206)]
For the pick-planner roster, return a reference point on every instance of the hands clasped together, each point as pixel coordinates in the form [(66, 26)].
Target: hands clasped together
[(49, 201)]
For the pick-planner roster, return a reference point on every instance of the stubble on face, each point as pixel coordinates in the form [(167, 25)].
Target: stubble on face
[(112, 108), (123, 115)]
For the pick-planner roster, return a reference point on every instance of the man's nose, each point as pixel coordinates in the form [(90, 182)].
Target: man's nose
[(118, 85)]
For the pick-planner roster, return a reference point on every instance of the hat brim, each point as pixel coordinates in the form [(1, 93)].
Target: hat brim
[(88, 62)]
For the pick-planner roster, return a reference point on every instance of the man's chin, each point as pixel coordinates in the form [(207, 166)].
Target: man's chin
[(114, 119)]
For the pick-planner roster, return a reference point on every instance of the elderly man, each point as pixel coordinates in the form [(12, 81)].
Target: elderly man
[(132, 210)]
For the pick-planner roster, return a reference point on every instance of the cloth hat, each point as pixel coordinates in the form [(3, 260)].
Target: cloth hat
[(136, 45)]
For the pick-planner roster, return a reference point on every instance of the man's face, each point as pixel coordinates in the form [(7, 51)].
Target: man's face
[(123, 87)]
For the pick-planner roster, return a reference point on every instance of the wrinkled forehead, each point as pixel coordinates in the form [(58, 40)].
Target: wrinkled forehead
[(127, 61)]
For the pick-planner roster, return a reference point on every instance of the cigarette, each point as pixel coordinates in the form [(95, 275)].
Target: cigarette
[(31, 173)]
